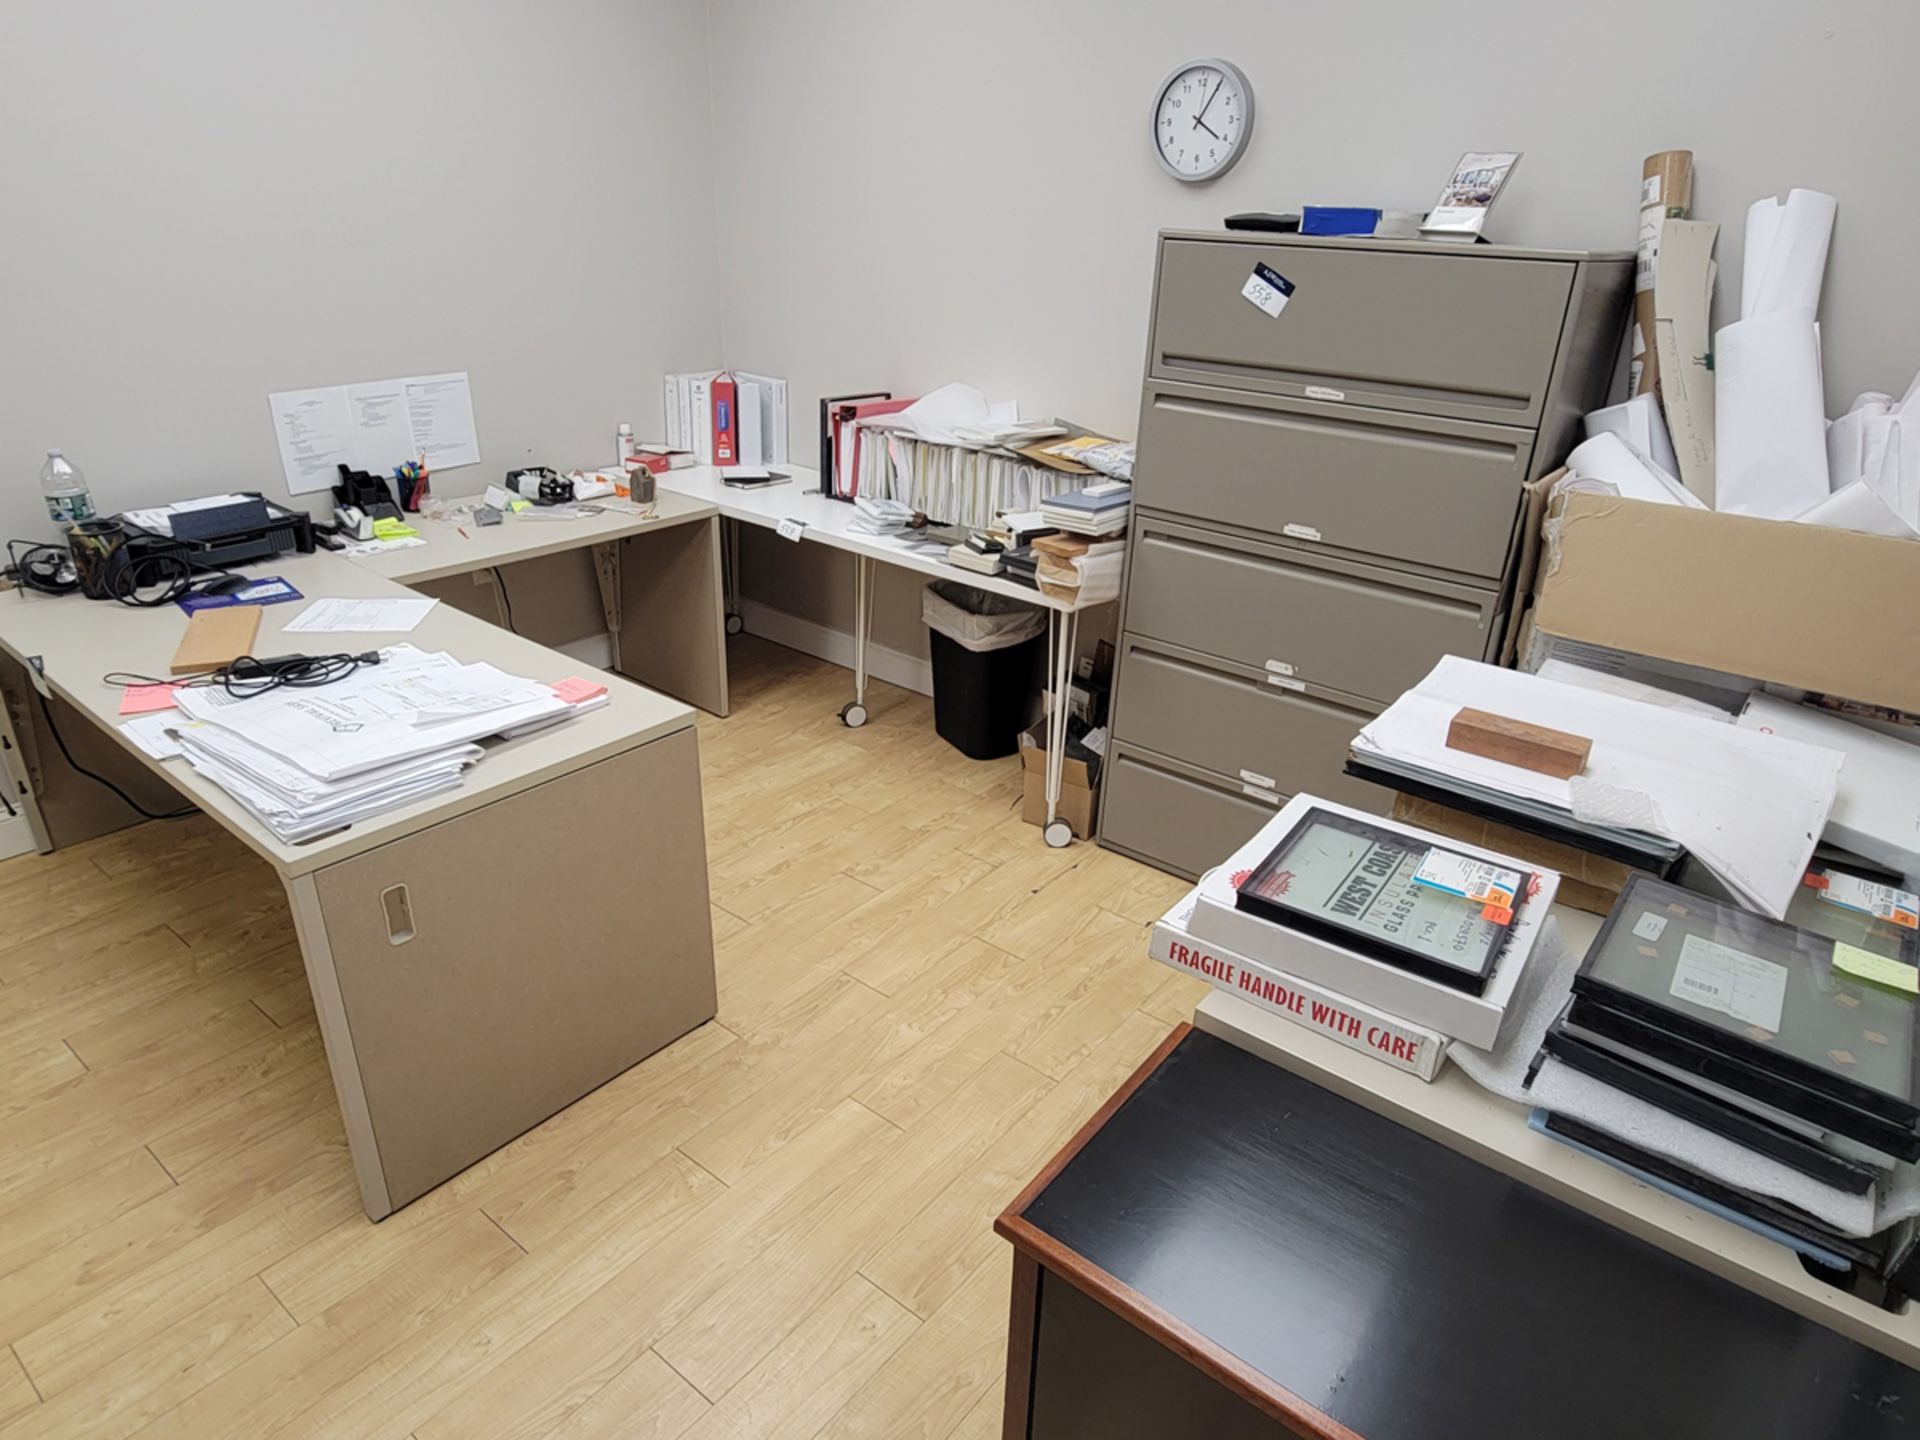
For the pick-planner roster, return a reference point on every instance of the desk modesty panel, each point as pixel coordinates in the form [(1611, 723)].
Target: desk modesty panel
[(1228, 1250)]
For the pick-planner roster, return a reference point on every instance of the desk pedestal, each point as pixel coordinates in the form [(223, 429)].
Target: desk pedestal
[(476, 977)]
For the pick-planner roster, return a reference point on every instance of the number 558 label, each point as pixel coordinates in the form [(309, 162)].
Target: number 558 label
[(1268, 289)]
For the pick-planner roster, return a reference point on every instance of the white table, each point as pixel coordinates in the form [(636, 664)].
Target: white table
[(677, 579), (825, 522), (1459, 1114), (468, 984)]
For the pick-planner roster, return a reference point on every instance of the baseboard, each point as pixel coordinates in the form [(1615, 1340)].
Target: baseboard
[(909, 672), (16, 835)]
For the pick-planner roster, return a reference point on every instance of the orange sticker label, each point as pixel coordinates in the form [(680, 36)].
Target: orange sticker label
[(1498, 914)]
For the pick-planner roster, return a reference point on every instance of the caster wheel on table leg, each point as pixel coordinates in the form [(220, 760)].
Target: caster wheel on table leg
[(735, 624), (1058, 835), (853, 714)]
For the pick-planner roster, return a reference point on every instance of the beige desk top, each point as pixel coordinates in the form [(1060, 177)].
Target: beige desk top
[(80, 640), (448, 551), (1462, 1116)]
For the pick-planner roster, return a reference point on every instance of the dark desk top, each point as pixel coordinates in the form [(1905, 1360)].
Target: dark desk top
[(1307, 1247)]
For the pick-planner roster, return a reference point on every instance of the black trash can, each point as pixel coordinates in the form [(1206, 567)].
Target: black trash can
[(986, 651)]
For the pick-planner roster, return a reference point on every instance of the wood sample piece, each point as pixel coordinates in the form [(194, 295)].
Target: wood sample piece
[(1515, 742), (215, 638)]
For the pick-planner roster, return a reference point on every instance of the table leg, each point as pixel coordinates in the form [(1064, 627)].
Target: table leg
[(855, 713), (1063, 636)]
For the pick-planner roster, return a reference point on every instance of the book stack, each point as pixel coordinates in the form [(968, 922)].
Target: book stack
[(1073, 569), (1101, 509), (1386, 939), (1760, 1069), (879, 517), (978, 552)]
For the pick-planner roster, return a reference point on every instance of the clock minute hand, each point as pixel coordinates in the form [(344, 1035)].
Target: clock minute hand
[(1209, 105)]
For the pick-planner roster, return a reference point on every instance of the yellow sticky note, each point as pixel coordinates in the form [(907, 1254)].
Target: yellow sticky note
[(392, 530), (1865, 965)]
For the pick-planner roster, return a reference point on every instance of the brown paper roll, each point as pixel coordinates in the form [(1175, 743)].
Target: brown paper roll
[(1666, 192)]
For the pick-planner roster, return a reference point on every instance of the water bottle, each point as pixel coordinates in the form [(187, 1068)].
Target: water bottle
[(65, 488)]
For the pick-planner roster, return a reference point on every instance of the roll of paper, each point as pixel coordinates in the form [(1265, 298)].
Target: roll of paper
[(1856, 507), (1608, 459), (1770, 424), (1786, 252), (1639, 423), (1849, 439)]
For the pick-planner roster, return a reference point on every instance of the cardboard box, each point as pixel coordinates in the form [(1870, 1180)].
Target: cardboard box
[(1077, 790), (1387, 1038), (1831, 611), (1587, 882), (1470, 1019)]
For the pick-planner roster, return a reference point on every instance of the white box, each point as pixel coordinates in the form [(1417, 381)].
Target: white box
[(1471, 1019), (1386, 1038)]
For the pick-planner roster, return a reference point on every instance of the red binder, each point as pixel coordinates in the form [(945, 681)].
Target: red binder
[(726, 420), (848, 438)]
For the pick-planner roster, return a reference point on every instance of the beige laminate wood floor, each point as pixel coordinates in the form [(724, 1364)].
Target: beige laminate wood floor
[(779, 1226)]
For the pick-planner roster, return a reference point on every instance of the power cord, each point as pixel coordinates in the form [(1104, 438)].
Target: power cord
[(94, 775), (249, 675)]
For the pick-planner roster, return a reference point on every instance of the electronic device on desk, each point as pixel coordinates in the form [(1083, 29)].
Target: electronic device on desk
[(541, 484), (1262, 220), (212, 538)]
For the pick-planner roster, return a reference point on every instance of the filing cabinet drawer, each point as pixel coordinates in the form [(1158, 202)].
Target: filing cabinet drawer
[(1441, 333), (1355, 628), (1173, 816), (1239, 724), (1434, 493)]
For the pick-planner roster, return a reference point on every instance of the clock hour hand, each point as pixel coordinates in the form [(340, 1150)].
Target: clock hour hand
[(1206, 127)]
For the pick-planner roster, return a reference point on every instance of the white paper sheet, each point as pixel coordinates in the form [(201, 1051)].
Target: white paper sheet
[(149, 732), (1786, 252), (1856, 507), (1850, 436), (440, 412), (360, 616), (1749, 806), (1640, 425), (314, 429), (374, 425), (1770, 426), (1609, 460)]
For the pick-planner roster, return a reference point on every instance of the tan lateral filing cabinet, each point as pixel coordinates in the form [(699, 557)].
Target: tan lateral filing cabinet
[(1325, 502)]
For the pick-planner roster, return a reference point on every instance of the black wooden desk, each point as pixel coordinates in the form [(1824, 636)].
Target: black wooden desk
[(1227, 1251)]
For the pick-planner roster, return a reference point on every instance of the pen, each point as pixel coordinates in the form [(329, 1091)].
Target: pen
[(463, 532)]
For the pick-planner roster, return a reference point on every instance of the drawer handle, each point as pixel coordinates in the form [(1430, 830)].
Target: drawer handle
[(1301, 532), (398, 908)]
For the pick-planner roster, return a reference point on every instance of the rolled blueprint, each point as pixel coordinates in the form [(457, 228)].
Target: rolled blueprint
[(1770, 424), (1638, 423), (1857, 507), (1786, 252), (1608, 459), (1666, 191), (1856, 442)]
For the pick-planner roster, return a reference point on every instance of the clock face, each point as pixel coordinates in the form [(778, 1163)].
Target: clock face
[(1202, 119)]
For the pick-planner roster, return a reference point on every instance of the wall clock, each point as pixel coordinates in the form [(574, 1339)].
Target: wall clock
[(1202, 119)]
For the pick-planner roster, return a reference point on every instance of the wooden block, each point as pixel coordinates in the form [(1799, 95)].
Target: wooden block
[(1515, 742), (215, 638)]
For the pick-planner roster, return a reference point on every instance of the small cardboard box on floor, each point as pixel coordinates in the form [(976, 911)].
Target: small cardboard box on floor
[(1469, 1019), (1830, 611), (1077, 789)]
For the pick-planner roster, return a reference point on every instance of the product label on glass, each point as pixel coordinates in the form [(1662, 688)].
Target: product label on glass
[(1650, 925), (1472, 879), (1884, 902), (1718, 977), (1367, 885)]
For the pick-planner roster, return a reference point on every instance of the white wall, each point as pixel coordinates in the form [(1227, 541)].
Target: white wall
[(203, 201), (918, 192)]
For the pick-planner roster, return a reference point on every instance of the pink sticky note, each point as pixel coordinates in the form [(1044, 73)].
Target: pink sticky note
[(145, 699), (576, 691)]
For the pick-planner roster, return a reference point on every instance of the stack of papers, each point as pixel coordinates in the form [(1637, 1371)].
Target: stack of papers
[(1748, 805), (309, 761), (1097, 510), (879, 517)]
